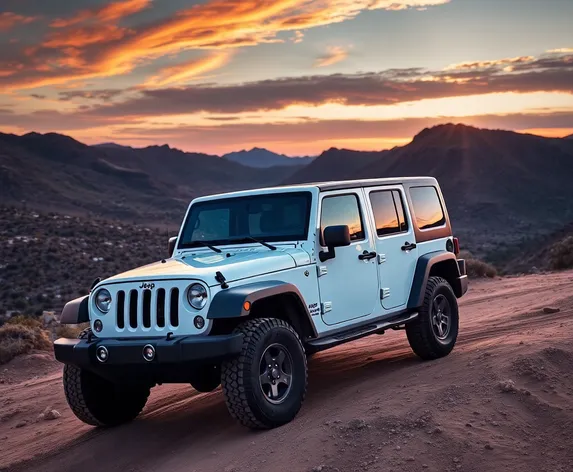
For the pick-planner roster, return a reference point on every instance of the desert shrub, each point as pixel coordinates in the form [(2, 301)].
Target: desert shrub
[(477, 268), (70, 331), (18, 339), (561, 254), (27, 321)]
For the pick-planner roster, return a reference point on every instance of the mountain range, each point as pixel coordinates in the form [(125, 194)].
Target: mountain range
[(263, 158), (501, 187), (152, 184)]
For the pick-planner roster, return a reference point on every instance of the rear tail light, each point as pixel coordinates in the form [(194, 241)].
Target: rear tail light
[(456, 246)]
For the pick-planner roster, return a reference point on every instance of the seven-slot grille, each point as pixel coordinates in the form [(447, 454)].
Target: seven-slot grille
[(145, 309)]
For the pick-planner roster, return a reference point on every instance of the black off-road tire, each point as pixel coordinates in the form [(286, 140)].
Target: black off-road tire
[(99, 402), (244, 396), (422, 337), (207, 378)]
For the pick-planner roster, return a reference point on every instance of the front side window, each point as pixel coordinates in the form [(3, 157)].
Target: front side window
[(342, 210), (276, 217), (388, 212), (427, 207)]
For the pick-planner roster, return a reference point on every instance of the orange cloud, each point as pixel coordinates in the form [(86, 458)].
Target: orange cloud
[(8, 20), (113, 11), (182, 73), (83, 36), (333, 55), (216, 24)]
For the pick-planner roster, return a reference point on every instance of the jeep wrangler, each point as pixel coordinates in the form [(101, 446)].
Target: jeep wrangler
[(255, 282)]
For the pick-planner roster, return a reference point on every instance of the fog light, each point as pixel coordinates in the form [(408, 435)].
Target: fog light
[(149, 353), (199, 322), (102, 354), (98, 326)]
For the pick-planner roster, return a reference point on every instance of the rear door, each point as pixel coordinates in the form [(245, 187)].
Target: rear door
[(395, 244), (348, 284)]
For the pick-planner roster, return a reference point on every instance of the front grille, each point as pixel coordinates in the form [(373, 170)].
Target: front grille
[(147, 309)]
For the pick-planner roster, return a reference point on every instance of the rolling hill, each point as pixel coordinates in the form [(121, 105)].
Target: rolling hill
[(153, 184)]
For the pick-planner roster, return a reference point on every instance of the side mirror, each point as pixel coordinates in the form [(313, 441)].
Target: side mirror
[(334, 236), (172, 244)]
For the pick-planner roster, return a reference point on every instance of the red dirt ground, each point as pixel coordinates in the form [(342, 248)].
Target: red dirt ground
[(502, 401)]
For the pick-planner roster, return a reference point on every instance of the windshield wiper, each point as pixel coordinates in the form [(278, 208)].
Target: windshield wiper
[(270, 246), (213, 248)]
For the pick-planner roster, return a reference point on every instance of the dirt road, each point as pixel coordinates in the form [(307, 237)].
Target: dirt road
[(503, 401)]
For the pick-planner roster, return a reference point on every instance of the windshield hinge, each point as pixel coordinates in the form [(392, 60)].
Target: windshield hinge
[(219, 277)]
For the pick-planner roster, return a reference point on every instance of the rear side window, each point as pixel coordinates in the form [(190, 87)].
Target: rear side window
[(342, 210), (388, 212), (427, 207)]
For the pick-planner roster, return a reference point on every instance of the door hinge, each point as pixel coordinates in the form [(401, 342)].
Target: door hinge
[(384, 293), (325, 307), (381, 258), (321, 270)]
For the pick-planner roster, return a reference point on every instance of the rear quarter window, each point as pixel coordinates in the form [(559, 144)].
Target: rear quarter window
[(427, 207)]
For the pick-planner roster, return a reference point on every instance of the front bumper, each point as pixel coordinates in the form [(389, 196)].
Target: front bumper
[(129, 352)]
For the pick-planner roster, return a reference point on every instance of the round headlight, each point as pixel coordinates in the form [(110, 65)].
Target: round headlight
[(197, 296), (103, 300)]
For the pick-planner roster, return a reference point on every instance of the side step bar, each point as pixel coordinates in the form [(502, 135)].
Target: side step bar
[(356, 333)]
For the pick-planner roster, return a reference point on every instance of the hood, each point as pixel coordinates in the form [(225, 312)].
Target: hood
[(241, 264)]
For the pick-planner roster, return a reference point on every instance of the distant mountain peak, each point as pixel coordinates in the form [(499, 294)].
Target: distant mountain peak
[(263, 158)]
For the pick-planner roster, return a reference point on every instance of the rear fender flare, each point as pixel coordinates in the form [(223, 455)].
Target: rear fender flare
[(422, 274)]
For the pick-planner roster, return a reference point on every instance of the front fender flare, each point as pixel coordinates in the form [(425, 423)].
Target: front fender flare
[(76, 311), (230, 303)]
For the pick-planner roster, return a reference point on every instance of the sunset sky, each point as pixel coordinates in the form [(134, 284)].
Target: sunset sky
[(295, 76)]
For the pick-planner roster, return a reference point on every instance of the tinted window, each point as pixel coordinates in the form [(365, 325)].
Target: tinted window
[(385, 214), (427, 207), (342, 210), (388, 212), (277, 217)]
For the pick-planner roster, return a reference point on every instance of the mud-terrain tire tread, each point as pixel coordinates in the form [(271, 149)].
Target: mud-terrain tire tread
[(419, 336), (232, 371), (76, 398)]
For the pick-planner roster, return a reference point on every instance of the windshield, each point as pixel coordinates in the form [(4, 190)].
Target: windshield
[(273, 217)]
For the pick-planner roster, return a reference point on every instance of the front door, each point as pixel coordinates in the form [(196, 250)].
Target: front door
[(348, 284), (395, 245)]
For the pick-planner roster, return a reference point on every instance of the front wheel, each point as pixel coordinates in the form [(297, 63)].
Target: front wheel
[(265, 385), (99, 402), (434, 333), (206, 378)]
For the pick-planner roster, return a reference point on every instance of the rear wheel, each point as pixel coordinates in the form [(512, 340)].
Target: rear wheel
[(434, 333), (265, 385)]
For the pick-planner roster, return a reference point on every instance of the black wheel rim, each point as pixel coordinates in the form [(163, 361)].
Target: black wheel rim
[(275, 374), (441, 317)]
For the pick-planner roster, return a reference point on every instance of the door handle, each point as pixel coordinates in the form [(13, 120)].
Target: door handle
[(367, 255), (408, 246)]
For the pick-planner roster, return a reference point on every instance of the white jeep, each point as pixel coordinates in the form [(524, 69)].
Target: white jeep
[(258, 280)]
